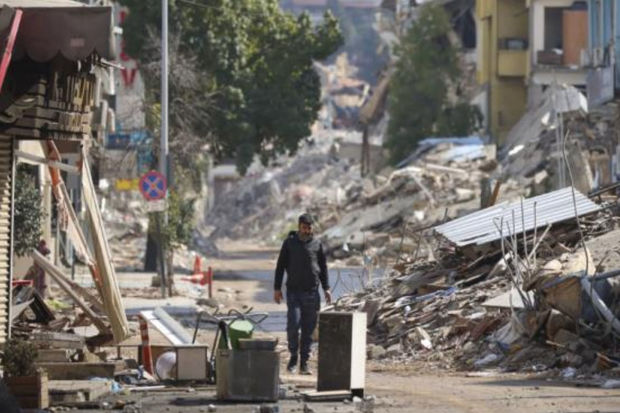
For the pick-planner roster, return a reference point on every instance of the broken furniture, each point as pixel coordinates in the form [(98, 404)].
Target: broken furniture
[(342, 352), (26, 297), (185, 360)]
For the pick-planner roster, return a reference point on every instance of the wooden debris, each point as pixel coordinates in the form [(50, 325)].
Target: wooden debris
[(78, 371), (61, 280), (55, 340)]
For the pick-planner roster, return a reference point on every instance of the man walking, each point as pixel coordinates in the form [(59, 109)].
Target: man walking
[(303, 259)]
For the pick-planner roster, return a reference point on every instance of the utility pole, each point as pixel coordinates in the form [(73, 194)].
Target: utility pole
[(163, 154)]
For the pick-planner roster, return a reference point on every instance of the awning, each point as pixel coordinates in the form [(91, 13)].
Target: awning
[(69, 28)]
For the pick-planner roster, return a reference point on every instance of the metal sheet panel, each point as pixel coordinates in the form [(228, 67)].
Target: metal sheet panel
[(483, 227)]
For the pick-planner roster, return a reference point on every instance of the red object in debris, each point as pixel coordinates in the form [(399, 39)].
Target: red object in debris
[(8, 48), (147, 358), (29, 283), (197, 265), (201, 277)]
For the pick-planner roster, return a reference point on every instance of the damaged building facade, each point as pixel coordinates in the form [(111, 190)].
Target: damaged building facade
[(526, 46), (54, 110)]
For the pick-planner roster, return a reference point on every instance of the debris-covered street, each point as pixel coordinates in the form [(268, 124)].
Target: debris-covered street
[(309, 206)]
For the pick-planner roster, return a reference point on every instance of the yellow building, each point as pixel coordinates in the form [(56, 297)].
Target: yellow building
[(524, 46), (503, 61)]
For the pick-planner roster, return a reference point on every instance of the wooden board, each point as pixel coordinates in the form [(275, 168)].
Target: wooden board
[(78, 371), (53, 355), (31, 392), (58, 340), (335, 395)]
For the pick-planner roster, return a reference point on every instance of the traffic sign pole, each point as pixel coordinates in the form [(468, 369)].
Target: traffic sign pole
[(153, 186), (163, 156)]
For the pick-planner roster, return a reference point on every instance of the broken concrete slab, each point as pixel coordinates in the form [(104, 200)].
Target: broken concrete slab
[(509, 299), (70, 391)]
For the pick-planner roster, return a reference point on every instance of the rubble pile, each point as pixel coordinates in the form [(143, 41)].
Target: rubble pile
[(127, 242), (265, 205), (359, 215), (534, 149), (441, 181), (473, 308)]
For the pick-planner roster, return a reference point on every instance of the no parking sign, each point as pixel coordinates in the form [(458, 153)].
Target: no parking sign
[(153, 186)]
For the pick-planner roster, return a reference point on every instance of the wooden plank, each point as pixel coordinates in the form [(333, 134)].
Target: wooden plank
[(53, 355), (334, 395), (45, 113), (39, 134), (45, 161), (28, 133), (78, 371), (58, 340), (110, 291), (61, 280), (49, 125)]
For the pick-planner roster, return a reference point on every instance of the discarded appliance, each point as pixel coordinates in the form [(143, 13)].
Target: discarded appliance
[(342, 352), (243, 369), (248, 375)]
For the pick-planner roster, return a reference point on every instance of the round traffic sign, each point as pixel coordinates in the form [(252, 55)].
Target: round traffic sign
[(153, 186)]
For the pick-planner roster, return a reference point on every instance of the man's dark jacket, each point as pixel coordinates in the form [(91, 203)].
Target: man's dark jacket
[(305, 265)]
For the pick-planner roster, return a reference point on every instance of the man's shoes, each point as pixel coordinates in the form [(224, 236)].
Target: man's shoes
[(292, 366), (305, 370)]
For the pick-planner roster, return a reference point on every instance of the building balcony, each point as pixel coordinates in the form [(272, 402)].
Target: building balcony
[(546, 75)]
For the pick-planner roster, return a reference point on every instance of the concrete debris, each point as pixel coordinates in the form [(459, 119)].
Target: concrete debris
[(611, 384), (479, 306), (534, 153), (366, 216), (510, 301)]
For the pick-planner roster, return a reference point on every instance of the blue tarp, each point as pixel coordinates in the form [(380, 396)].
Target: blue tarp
[(464, 148)]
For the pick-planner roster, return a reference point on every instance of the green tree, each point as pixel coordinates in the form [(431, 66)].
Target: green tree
[(28, 212), (257, 62), (426, 70)]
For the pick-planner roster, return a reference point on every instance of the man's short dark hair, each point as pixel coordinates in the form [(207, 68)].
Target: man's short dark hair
[(306, 219)]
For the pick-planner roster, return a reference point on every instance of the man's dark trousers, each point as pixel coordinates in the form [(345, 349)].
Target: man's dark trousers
[(302, 312)]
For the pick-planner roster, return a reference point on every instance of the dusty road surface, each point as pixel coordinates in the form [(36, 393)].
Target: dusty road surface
[(417, 392), (512, 393), (243, 280)]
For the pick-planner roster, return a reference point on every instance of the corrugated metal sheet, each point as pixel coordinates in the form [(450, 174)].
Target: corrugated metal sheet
[(483, 226), (6, 206)]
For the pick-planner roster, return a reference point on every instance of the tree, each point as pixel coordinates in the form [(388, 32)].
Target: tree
[(256, 63), (426, 71), (27, 212)]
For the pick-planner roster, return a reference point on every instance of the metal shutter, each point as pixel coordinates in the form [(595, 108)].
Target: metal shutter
[(6, 224)]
